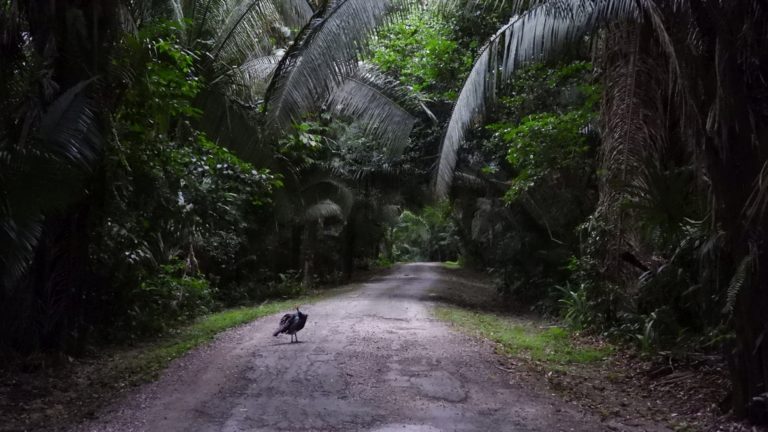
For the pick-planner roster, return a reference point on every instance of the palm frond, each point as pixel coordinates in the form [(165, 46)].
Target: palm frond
[(471, 181), (226, 31), (541, 32), (295, 13), (371, 76), (324, 53), (250, 80), (45, 176), (242, 29), (68, 129), (18, 241), (515, 6), (324, 187), (382, 118), (323, 210), (740, 277)]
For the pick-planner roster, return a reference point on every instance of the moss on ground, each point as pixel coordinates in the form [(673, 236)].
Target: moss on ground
[(551, 345), (452, 265)]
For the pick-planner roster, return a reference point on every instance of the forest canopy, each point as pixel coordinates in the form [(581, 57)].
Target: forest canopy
[(604, 160)]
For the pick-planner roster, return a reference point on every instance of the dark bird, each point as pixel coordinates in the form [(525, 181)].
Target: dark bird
[(291, 324)]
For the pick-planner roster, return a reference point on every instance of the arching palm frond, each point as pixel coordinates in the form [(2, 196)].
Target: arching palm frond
[(241, 29), (541, 32), (44, 177), (295, 13), (323, 209), (18, 240), (371, 76), (382, 118), (323, 187), (250, 80), (324, 53), (68, 129)]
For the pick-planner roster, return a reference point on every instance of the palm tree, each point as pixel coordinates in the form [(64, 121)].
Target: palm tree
[(702, 59), (56, 66)]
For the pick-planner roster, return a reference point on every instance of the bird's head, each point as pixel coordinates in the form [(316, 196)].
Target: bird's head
[(300, 312)]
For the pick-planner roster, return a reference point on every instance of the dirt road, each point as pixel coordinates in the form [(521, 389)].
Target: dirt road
[(374, 359)]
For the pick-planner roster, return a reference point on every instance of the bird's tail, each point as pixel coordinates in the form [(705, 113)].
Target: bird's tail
[(285, 322), (279, 330)]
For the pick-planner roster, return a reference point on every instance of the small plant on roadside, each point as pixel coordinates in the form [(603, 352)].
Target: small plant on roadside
[(647, 338), (289, 284), (383, 262), (576, 311), (167, 299)]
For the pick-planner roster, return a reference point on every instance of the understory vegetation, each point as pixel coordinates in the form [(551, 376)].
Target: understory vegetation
[(604, 161)]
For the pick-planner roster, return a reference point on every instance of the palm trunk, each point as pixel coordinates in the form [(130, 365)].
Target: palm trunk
[(310, 244), (348, 261), (389, 244), (749, 352)]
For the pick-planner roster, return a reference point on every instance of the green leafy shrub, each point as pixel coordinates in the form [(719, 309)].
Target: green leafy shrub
[(169, 195), (575, 307), (422, 52), (167, 299), (429, 235)]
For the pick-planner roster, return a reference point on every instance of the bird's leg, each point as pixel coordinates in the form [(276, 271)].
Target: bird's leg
[(297, 338)]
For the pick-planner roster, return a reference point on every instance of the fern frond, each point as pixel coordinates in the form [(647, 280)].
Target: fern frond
[(739, 279)]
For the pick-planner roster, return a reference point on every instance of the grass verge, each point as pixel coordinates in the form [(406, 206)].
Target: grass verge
[(147, 361), (452, 265), (52, 397), (552, 346)]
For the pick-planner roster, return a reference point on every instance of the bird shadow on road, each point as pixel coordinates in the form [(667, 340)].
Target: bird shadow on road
[(285, 343)]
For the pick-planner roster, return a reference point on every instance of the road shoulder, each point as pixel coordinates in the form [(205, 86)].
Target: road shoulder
[(48, 393), (624, 389)]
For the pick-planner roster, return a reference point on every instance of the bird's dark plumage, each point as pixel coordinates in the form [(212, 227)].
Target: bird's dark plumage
[(291, 324)]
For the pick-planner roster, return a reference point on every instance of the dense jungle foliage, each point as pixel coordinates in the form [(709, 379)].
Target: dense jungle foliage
[(604, 160)]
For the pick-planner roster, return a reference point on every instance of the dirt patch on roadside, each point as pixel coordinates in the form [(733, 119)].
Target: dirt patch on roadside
[(50, 392), (628, 390), (469, 289)]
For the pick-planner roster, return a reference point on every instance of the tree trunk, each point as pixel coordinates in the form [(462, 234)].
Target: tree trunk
[(726, 121), (389, 244), (310, 243), (348, 261), (297, 234)]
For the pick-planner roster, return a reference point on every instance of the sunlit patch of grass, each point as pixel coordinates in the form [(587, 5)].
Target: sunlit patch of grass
[(552, 345), (453, 265)]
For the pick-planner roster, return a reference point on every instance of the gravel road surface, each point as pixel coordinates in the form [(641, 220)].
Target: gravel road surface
[(373, 359)]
